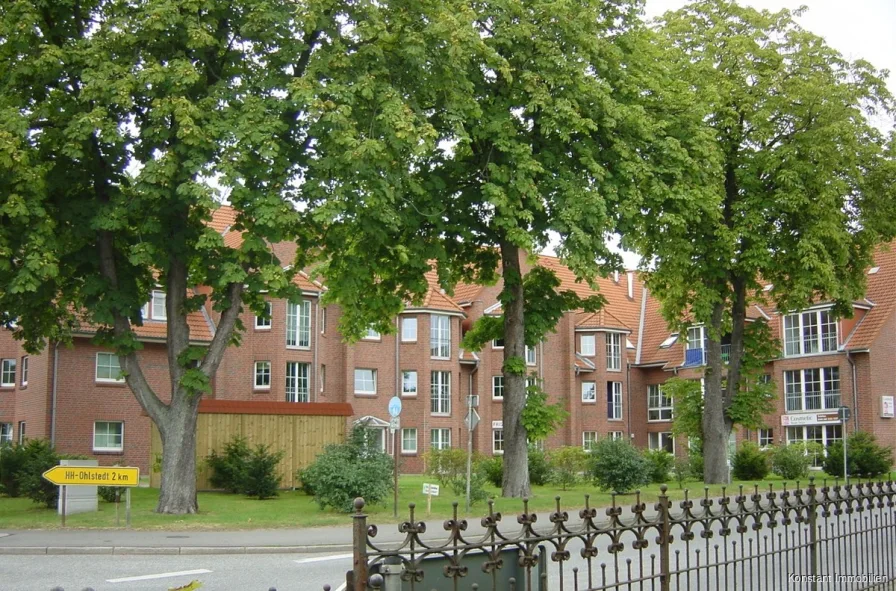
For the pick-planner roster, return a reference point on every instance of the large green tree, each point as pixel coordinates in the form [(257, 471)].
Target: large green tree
[(795, 190), (541, 116), (121, 124)]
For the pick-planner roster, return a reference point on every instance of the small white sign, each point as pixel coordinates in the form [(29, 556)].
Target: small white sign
[(394, 424), (431, 489), (888, 407), (497, 424), (812, 418)]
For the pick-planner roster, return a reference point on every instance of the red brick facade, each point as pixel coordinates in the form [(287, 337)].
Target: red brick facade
[(64, 398)]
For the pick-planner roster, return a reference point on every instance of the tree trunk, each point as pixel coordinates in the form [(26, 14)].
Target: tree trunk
[(515, 482), (178, 432), (716, 426)]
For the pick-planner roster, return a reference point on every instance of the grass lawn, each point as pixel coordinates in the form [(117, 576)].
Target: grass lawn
[(296, 509)]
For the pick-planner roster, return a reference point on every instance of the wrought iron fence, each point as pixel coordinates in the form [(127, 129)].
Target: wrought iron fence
[(828, 537)]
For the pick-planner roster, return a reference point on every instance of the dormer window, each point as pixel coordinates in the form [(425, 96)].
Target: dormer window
[(155, 308), (808, 333)]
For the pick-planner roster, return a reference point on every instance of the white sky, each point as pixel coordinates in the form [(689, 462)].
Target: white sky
[(858, 29)]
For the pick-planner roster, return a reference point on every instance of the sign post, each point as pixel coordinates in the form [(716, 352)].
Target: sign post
[(65, 476), (844, 415), (430, 490), (394, 412), (471, 420)]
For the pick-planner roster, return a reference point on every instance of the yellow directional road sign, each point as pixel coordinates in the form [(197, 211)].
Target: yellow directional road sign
[(91, 475)]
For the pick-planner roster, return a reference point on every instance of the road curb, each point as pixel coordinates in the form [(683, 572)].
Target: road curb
[(169, 550)]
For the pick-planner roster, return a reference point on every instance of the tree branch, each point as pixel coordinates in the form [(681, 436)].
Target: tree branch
[(225, 330)]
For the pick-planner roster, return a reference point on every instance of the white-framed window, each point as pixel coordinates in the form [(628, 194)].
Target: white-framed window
[(498, 344), (498, 441), (810, 332), (8, 373), (262, 375), (824, 435), (298, 376), (615, 435), (322, 377), (663, 441), (531, 381), (158, 311), (371, 335), (440, 392), (586, 345), (365, 381), (614, 351), (108, 436), (659, 406), (5, 433), (408, 329), (812, 389), (614, 400), (439, 438), (409, 441), (530, 355), (439, 336), (264, 321), (589, 392), (498, 387), (21, 432), (409, 383), (766, 437), (108, 368), (298, 325), (24, 370), (589, 438), (323, 320)]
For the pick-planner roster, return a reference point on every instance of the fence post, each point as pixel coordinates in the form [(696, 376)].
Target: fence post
[(813, 532), (665, 540), (358, 579)]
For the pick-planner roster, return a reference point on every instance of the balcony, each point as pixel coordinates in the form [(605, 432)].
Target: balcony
[(695, 357)]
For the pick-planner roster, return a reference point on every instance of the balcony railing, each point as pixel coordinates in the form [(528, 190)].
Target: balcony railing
[(694, 357)]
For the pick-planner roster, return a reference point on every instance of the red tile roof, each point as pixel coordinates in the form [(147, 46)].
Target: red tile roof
[(881, 292), (600, 319), (222, 218)]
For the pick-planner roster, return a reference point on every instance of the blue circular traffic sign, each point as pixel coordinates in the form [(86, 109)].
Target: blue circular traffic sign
[(395, 406)]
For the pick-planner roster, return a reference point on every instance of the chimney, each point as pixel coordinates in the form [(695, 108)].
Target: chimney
[(616, 277), (631, 284)]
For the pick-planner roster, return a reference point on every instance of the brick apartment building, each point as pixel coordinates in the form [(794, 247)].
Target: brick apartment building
[(607, 369)]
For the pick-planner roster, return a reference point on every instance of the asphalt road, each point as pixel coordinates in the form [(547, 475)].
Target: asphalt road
[(222, 572)]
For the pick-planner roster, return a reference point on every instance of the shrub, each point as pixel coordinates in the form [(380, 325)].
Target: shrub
[(695, 465), (348, 470), (229, 469), (12, 459), (681, 469), (618, 466), (792, 462), (262, 480), (568, 464), (749, 463), (449, 467), (539, 467), (865, 457), (39, 456), (492, 468), (110, 494), (660, 463)]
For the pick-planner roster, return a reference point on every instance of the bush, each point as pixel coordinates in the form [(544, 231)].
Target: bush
[(618, 466), (695, 465), (681, 469), (865, 457), (492, 468), (539, 467), (229, 469), (39, 456), (262, 480), (110, 494), (348, 470), (568, 464), (660, 463), (749, 463), (12, 460), (449, 467), (792, 462)]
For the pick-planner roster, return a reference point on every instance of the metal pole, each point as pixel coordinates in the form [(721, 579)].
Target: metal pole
[(63, 504), (665, 540), (127, 508), (395, 475), (845, 473), (359, 547), (469, 447)]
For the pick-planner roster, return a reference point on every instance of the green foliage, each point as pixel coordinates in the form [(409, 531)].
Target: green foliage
[(262, 480), (349, 470), (792, 462), (539, 418), (12, 460), (37, 456), (493, 469), (229, 469), (568, 464), (865, 457), (681, 470), (449, 467), (687, 406), (540, 468), (695, 465), (110, 494), (750, 462), (617, 465), (660, 463)]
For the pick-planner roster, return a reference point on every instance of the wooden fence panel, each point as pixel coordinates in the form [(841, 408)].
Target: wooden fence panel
[(301, 431)]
